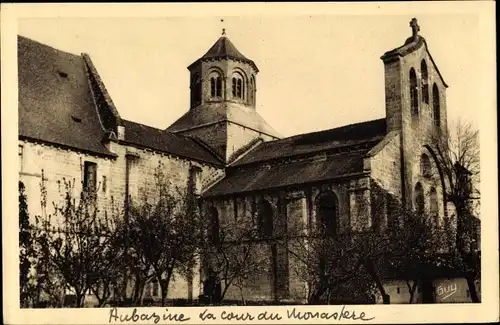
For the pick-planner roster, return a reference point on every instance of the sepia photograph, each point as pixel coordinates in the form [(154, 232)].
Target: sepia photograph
[(229, 161)]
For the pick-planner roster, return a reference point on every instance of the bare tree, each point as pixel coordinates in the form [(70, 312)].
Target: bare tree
[(233, 254), (111, 260), (163, 229), (339, 264), (72, 242), (415, 249), (457, 155), (26, 251)]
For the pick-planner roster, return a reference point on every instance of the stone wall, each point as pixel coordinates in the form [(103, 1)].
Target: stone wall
[(58, 164), (416, 129), (296, 208)]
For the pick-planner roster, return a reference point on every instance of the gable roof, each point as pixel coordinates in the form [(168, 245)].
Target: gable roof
[(63, 101), (262, 177), (309, 143), (304, 158), (56, 104), (168, 142), (411, 44)]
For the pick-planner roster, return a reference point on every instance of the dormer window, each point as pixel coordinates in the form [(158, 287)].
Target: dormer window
[(238, 86)]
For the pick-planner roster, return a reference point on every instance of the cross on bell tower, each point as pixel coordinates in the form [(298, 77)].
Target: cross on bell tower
[(223, 29), (415, 28)]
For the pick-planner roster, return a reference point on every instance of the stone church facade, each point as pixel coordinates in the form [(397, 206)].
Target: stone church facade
[(229, 155)]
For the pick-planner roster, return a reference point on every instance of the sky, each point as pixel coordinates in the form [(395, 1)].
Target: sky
[(316, 71)]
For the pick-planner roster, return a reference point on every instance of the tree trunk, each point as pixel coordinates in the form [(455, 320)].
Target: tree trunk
[(315, 298), (139, 289), (371, 271), (79, 299), (243, 301), (472, 289), (411, 288), (226, 287), (164, 291), (164, 285)]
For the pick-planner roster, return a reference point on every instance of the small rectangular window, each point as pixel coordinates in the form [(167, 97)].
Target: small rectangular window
[(104, 185), (21, 153), (89, 175)]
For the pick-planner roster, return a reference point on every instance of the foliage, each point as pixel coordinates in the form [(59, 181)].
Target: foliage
[(74, 245), (337, 266), (25, 248), (236, 255), (162, 230), (457, 154), (416, 247)]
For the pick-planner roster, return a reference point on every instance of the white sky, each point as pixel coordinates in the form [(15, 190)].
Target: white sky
[(316, 72)]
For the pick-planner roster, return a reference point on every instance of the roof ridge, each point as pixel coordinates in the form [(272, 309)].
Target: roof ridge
[(202, 144), (92, 70), (303, 156), (46, 45), (148, 126), (332, 129)]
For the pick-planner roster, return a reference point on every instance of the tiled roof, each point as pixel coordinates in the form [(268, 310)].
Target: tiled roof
[(223, 48), (305, 158), (262, 176), (305, 144), (220, 112), (168, 142), (55, 101)]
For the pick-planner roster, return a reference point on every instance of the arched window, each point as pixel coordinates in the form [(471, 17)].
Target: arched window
[(425, 82), (195, 89), (215, 85), (251, 91), (425, 166), (433, 207), (419, 199), (436, 105), (238, 86), (413, 92), (265, 220), (326, 213), (213, 229)]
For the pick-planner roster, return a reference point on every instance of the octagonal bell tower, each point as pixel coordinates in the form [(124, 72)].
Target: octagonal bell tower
[(222, 112)]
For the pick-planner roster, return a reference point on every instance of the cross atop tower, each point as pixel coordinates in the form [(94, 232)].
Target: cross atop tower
[(415, 28), (223, 29)]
